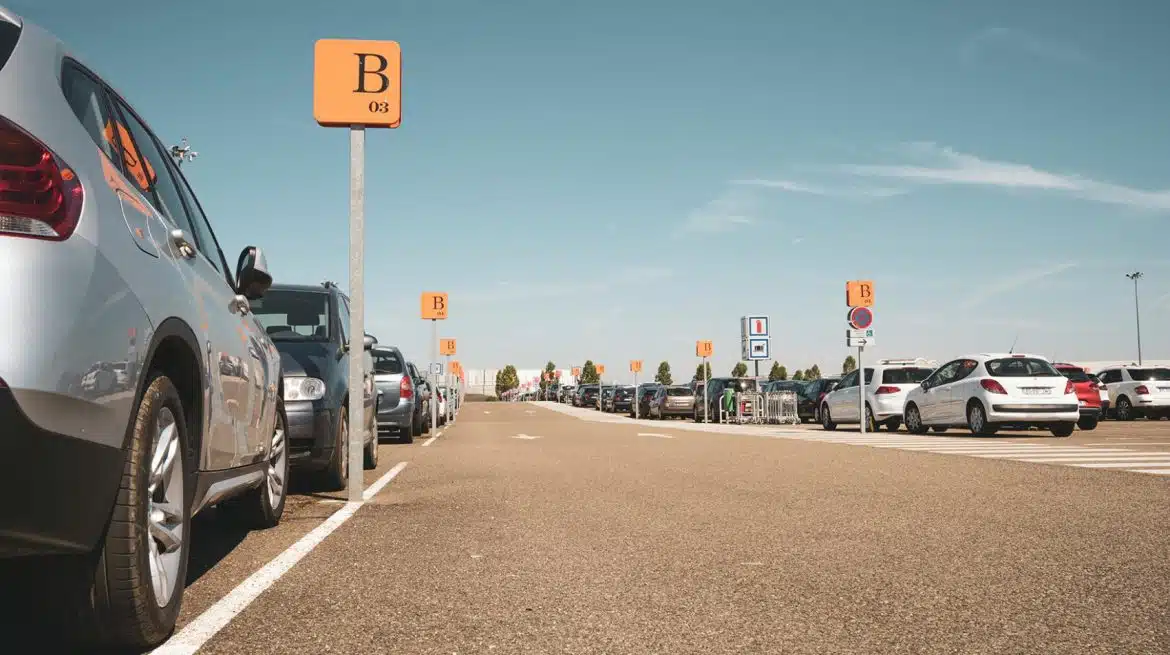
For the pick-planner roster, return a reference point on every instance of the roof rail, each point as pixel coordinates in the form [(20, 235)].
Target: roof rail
[(906, 361)]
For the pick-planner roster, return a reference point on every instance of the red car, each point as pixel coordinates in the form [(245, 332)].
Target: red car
[(1088, 393)]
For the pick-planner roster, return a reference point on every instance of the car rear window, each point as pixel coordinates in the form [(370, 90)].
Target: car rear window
[(1074, 374), (905, 375), (9, 35), (386, 363), (1020, 367), (289, 315), (678, 391), (1149, 374)]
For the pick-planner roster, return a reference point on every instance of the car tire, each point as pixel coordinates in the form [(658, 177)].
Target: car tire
[(1063, 429), (337, 473), (263, 506), (977, 420), (1088, 423), (116, 601), (827, 419), (1124, 410), (870, 423), (914, 424), (370, 453)]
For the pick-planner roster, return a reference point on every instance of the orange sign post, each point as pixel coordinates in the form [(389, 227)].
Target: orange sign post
[(859, 293), (357, 84), (859, 298), (703, 350)]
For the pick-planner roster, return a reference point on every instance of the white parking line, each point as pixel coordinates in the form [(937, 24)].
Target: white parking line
[(196, 633), (1140, 443), (432, 439), (655, 434)]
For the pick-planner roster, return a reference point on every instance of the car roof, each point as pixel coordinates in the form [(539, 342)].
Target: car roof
[(300, 287), (983, 357)]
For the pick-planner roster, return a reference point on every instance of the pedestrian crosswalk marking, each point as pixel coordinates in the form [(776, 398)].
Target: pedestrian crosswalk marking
[(1054, 453)]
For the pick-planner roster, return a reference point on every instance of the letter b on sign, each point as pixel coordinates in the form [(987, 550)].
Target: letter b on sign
[(357, 83), (434, 305), (446, 346), (859, 293)]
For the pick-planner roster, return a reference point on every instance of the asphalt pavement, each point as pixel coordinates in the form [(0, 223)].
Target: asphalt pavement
[(527, 530)]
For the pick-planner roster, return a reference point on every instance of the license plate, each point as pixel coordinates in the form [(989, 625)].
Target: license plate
[(1034, 391), (1163, 388)]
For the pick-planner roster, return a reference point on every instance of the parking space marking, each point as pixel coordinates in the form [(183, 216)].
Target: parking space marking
[(1141, 443), (1053, 453), (655, 434), (205, 626), (432, 439)]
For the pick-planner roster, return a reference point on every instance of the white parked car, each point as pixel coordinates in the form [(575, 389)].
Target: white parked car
[(1136, 391), (886, 385), (988, 391)]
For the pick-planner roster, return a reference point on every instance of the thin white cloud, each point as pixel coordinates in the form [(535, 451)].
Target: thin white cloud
[(1015, 39), (1013, 282), (733, 209), (952, 167), (802, 187)]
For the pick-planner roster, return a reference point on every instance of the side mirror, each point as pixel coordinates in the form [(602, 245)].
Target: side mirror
[(252, 276), (369, 341)]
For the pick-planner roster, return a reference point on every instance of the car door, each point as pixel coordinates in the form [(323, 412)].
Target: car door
[(843, 400), (932, 404), (220, 327), (960, 389)]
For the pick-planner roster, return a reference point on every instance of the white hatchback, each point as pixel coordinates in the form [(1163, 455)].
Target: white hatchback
[(1136, 391), (987, 391), (886, 385)]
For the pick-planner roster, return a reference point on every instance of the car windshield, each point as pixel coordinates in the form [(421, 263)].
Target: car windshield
[(1020, 367), (289, 315), (387, 363), (678, 391), (742, 384), (905, 375), (1150, 374), (1074, 374)]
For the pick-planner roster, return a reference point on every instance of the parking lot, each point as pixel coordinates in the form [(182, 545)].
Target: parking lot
[(536, 527)]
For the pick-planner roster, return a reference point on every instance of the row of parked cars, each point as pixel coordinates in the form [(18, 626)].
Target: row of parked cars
[(143, 379), (981, 392)]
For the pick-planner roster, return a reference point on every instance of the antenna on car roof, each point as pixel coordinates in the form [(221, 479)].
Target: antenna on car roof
[(1013, 348)]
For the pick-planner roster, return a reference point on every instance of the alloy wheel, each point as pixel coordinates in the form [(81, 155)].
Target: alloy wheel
[(277, 466), (164, 514)]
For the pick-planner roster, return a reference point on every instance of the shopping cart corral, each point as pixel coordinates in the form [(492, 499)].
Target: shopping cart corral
[(757, 407)]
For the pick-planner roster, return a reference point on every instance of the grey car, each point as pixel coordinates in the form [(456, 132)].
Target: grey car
[(112, 266), (399, 410)]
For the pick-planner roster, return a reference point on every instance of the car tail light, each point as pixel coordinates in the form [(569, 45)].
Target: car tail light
[(992, 386), (405, 388), (40, 197), (1142, 390), (1069, 388), (887, 389)]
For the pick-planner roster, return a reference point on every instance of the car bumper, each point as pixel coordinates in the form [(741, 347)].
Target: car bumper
[(1152, 402), (311, 437), (57, 489), (398, 417), (1034, 413), (887, 408)]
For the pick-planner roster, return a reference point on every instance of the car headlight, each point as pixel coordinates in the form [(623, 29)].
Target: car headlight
[(303, 388)]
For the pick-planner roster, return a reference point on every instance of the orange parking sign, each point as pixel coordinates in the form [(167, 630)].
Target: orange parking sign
[(635, 366), (446, 346), (704, 348), (859, 293), (357, 83), (434, 305)]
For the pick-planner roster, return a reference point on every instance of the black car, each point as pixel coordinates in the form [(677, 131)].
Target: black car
[(586, 396), (808, 399), (310, 327), (622, 399)]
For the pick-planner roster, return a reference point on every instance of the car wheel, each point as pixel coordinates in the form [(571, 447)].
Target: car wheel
[(1063, 429), (337, 475), (914, 423), (827, 419), (1087, 423), (263, 506), (131, 590), (1124, 410), (370, 453), (977, 420)]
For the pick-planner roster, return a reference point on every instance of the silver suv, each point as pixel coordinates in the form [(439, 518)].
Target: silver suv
[(136, 388)]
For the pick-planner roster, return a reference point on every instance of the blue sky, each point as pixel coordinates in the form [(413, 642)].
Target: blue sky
[(615, 180)]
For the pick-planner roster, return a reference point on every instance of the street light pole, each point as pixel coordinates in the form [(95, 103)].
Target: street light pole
[(1135, 276)]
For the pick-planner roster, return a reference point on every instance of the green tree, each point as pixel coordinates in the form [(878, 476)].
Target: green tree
[(739, 371), (507, 380), (799, 375), (551, 370), (778, 372), (699, 371), (589, 373), (663, 374), (849, 365), (814, 373)]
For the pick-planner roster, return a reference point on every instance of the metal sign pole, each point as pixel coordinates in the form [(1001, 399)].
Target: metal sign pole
[(706, 390), (636, 394), (861, 389), (357, 309), (434, 378), (447, 383)]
